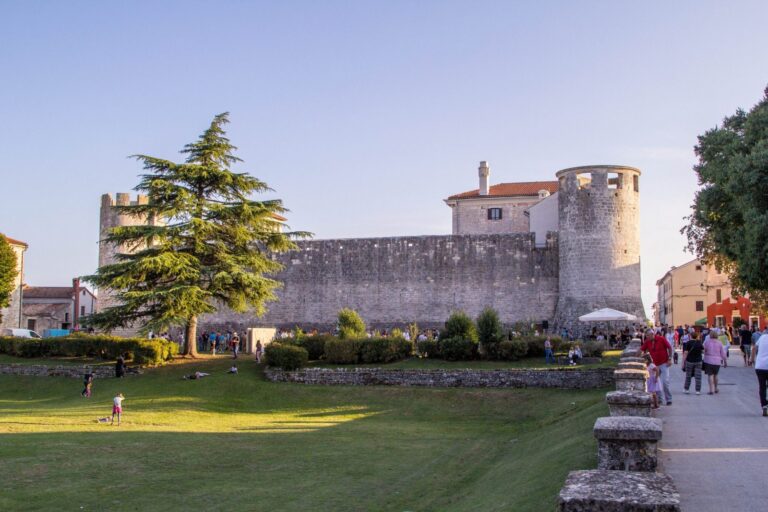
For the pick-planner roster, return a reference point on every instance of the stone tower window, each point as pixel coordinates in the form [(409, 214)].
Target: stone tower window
[(615, 180), (494, 213), (636, 183), (584, 180)]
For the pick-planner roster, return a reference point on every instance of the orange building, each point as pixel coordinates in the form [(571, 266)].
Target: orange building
[(720, 314)]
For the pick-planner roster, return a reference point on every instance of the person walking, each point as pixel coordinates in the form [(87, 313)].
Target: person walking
[(745, 336), (259, 350), (724, 339), (117, 408), (652, 383), (120, 367), (760, 362), (714, 355), (692, 362), (235, 345), (660, 351), (87, 384)]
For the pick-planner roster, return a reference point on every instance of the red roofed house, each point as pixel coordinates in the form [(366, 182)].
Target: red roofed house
[(11, 316), (506, 207), (723, 313), (57, 307)]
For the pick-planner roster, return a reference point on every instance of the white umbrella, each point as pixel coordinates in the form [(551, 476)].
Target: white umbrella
[(607, 315)]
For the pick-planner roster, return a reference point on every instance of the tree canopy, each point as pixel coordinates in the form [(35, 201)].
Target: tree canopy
[(8, 273), (213, 245), (729, 224)]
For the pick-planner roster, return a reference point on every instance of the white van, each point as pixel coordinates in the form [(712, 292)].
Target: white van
[(20, 333)]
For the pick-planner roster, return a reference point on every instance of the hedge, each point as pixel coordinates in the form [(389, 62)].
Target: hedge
[(141, 351), (287, 357), (367, 350), (512, 350), (314, 345), (458, 349)]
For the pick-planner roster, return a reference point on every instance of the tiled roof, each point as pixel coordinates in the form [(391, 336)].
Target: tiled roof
[(48, 292), (13, 241), (527, 188)]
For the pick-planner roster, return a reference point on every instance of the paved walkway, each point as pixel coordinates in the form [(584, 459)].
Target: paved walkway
[(715, 447)]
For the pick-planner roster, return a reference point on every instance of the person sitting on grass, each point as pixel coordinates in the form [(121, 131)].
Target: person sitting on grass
[(574, 355), (117, 408)]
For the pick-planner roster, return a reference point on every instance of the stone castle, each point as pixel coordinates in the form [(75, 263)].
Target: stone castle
[(538, 252)]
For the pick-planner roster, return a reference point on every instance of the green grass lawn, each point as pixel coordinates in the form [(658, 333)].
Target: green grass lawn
[(241, 443), (53, 361)]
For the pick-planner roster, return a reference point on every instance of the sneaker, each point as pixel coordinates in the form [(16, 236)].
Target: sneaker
[(698, 392), (669, 403), (686, 391), (765, 410)]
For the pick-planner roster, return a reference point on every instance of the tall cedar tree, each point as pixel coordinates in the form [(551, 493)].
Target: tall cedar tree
[(729, 224), (8, 273), (212, 248)]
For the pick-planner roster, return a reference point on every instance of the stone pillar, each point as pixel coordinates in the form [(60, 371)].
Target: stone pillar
[(626, 365), (629, 403), (630, 380), (627, 443), (618, 491)]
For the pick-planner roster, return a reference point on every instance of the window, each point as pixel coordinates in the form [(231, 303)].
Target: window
[(31, 324), (699, 305), (754, 321), (719, 321), (698, 267), (494, 213), (636, 182), (66, 317), (719, 295), (82, 310), (615, 180)]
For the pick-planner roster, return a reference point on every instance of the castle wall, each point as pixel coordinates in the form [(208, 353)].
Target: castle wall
[(394, 281)]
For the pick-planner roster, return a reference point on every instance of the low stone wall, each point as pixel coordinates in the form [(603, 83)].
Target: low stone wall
[(76, 372), (510, 378)]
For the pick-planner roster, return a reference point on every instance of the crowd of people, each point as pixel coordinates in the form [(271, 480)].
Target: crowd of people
[(704, 351)]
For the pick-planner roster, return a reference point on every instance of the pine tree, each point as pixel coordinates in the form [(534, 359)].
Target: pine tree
[(212, 249), (8, 273)]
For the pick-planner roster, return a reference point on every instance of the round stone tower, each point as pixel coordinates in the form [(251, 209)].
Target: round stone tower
[(599, 243)]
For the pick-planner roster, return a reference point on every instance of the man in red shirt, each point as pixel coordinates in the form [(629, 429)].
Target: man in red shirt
[(661, 352)]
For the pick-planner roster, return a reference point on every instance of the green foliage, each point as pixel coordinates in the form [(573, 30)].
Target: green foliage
[(350, 324), (512, 350), (396, 333), (379, 350), (314, 345), (489, 332), (738, 322), (206, 243), (8, 273), (457, 349), (298, 333), (413, 330), (536, 344), (142, 351), (460, 325), (428, 348), (284, 356), (593, 348), (728, 227), (342, 351)]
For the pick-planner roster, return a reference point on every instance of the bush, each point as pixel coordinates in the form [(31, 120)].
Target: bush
[(342, 351), (489, 332), (536, 344), (457, 349), (379, 350), (141, 351), (594, 348), (404, 348), (512, 350), (314, 345), (428, 348), (350, 324), (459, 325), (287, 357)]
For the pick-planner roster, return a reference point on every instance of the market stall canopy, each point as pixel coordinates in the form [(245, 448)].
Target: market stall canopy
[(607, 315)]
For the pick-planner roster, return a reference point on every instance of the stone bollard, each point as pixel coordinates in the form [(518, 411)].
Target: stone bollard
[(618, 491), (632, 359), (630, 380), (627, 443), (630, 366), (629, 403)]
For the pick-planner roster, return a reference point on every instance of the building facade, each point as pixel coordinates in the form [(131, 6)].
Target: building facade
[(57, 307), (11, 316)]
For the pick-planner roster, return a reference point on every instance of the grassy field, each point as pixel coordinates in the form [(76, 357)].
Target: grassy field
[(240, 443)]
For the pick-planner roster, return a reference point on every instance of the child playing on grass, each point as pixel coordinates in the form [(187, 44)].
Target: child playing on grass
[(652, 385), (87, 385), (117, 408)]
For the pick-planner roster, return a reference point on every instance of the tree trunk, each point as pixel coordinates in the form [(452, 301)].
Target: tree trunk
[(191, 338)]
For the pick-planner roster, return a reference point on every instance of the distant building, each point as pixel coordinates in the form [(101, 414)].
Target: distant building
[(12, 314), (57, 307), (501, 208), (721, 314)]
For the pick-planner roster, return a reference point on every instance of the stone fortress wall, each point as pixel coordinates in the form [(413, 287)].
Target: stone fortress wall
[(593, 261)]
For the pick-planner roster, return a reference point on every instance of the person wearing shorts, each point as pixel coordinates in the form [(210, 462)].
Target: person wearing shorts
[(746, 343), (117, 408), (714, 356)]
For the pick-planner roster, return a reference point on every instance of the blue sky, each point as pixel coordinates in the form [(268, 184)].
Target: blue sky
[(362, 115)]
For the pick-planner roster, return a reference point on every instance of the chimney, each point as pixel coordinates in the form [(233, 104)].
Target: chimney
[(484, 171), (76, 315)]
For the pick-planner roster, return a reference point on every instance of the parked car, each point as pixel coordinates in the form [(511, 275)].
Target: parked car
[(20, 333)]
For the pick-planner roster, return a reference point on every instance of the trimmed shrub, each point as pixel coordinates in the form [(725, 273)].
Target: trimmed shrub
[(512, 350), (457, 349), (284, 356), (536, 344), (404, 348), (342, 351), (594, 348), (459, 325), (428, 348), (314, 345), (379, 350), (489, 332), (350, 324), (141, 351)]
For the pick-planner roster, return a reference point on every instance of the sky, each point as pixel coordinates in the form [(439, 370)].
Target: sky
[(363, 115)]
